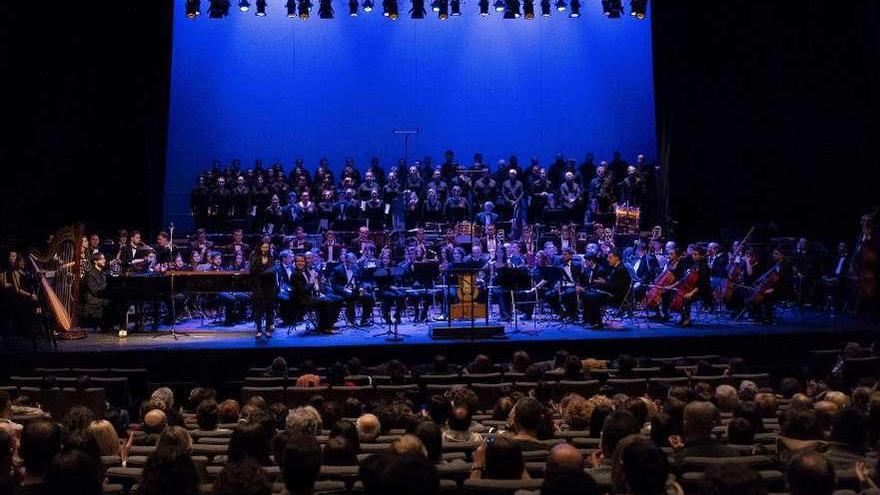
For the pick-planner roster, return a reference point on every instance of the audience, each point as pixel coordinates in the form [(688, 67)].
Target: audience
[(73, 472), (40, 443), (301, 463), (809, 473), (732, 479), (244, 477)]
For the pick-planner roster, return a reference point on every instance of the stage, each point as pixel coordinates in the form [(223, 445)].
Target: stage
[(216, 352)]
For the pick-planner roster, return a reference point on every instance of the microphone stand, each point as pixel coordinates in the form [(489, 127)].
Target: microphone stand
[(172, 332)]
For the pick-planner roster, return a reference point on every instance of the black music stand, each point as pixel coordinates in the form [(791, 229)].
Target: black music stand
[(388, 275), (172, 332), (510, 280), (553, 274)]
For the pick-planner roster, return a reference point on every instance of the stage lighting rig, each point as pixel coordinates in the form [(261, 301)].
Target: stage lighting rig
[(561, 5), (193, 9), (244, 5), (545, 8), (367, 5), (638, 8), (612, 8), (455, 7), (484, 8), (261, 8), (218, 9), (325, 9), (353, 8), (529, 9), (444, 10), (390, 9), (417, 11), (575, 9), (305, 9)]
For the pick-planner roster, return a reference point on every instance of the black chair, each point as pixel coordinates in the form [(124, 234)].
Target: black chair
[(472, 378), (584, 388), (116, 388), (488, 393), (138, 381), (634, 387), (714, 381), (271, 394), (447, 378), (93, 398), (499, 487), (264, 381), (341, 394), (392, 392), (299, 396)]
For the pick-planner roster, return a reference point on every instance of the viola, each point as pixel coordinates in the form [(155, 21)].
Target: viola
[(687, 284)]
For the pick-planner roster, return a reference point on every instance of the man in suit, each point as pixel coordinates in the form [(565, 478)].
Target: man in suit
[(286, 299), (346, 208), (487, 217), (613, 291), (571, 273), (305, 290), (346, 283)]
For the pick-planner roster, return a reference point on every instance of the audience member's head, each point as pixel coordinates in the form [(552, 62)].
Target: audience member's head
[(228, 411), (249, 441), (169, 472), (732, 479), (576, 412), (749, 411), (305, 419), (154, 422), (699, 419), (726, 398), (207, 415), (851, 429), (520, 362), (788, 387), (409, 445), (740, 431), (618, 425), (563, 457), (826, 413), (569, 483), (809, 473), (645, 469), (175, 437), (40, 442), (801, 425), (597, 419), (432, 438), (339, 451), (166, 395), (408, 474), (527, 416), (104, 435), (301, 463), (245, 477), (74, 472), (368, 428), (767, 404), (504, 459), (459, 420), (77, 419), (748, 390)]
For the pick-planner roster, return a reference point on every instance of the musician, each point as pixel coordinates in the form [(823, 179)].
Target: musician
[(325, 210), (363, 238), (298, 242), (572, 197), (420, 247), (130, 255), (703, 289), (365, 190), (299, 172), (413, 180), (238, 246), (632, 188), (421, 300), (96, 306), (349, 172), (489, 241), (514, 258), (220, 203), (265, 288), (485, 188), (261, 197), (571, 273), (644, 270), (323, 174), (456, 207), (477, 257), (287, 303), (611, 290), (346, 208), (274, 216), (835, 279), (306, 293), (375, 210), (241, 199), (774, 286), (432, 209), (541, 196), (387, 291), (438, 185), (330, 248), (512, 192), (376, 169), (164, 249), (198, 201), (368, 260), (346, 282), (487, 217), (806, 271), (306, 210), (717, 260), (675, 266), (412, 209), (447, 245), (602, 190)]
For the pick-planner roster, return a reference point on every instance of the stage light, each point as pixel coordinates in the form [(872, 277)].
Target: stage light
[(218, 9), (390, 9), (417, 11), (545, 8), (305, 9), (484, 8), (325, 9), (291, 8), (529, 9), (193, 9), (367, 5), (455, 7), (353, 8), (611, 8), (575, 9), (261, 8), (637, 8), (444, 10), (244, 5), (500, 6)]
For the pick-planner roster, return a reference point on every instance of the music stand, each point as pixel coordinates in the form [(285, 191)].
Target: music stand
[(511, 280), (553, 274), (388, 275), (172, 332)]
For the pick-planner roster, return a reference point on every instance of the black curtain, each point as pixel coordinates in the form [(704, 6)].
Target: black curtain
[(766, 114)]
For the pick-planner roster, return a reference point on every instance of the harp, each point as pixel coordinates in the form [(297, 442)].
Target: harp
[(59, 270)]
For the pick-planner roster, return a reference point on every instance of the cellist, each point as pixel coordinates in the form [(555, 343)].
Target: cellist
[(701, 291), (673, 271), (774, 286)]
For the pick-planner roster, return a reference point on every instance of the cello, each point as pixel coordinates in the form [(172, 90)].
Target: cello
[(686, 285), (664, 281), (767, 281), (734, 272)]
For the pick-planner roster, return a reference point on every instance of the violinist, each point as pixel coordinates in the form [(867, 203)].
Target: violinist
[(610, 290), (701, 290), (717, 261)]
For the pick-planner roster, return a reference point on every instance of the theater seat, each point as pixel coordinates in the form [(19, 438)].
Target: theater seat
[(634, 387), (271, 394), (500, 487), (299, 396)]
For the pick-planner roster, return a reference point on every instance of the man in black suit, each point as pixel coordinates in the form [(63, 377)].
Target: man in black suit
[(487, 216), (346, 208), (346, 283), (571, 273), (304, 290), (702, 291), (286, 299), (613, 291)]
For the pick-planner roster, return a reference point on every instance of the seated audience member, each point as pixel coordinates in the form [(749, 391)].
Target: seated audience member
[(527, 416), (646, 470), (208, 416), (576, 412), (347, 429), (749, 411), (732, 479), (339, 451), (175, 437), (564, 458), (809, 473), (617, 426), (499, 458), (250, 441), (740, 432), (458, 427), (407, 475), (6, 413), (169, 471), (305, 419), (105, 438), (726, 398), (569, 483), (409, 444), (154, 422), (39, 443), (849, 439), (301, 463), (800, 432), (368, 428), (228, 411), (74, 472), (432, 438), (245, 477), (767, 405), (699, 419)]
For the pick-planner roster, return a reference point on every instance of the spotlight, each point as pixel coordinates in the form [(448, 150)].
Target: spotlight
[(261, 8), (484, 8), (637, 8), (244, 5), (353, 8), (529, 9), (545, 8), (368, 5), (305, 9), (390, 9), (575, 9), (444, 10), (218, 9), (193, 9), (325, 9), (455, 7), (560, 5), (512, 11), (291, 8), (611, 8), (418, 9), (500, 6)]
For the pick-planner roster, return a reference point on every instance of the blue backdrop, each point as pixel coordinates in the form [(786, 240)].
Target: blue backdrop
[(276, 88)]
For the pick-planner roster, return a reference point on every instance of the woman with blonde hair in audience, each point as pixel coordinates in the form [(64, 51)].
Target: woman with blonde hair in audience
[(175, 437), (105, 437)]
